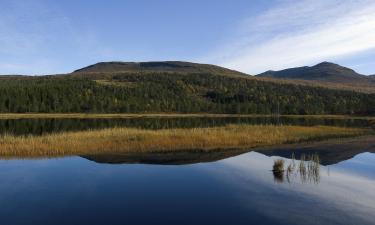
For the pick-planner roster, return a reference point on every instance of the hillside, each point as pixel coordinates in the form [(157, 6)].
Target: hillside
[(324, 74), (167, 90)]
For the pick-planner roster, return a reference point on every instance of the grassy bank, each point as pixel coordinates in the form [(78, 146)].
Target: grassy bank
[(138, 140), (161, 115)]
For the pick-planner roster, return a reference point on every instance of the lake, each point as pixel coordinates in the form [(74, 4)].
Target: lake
[(234, 187)]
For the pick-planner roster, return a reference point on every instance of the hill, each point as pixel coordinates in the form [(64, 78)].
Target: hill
[(166, 66), (325, 74), (167, 88), (325, 71)]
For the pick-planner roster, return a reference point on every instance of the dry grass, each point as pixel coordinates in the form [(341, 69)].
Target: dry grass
[(138, 140), (278, 166)]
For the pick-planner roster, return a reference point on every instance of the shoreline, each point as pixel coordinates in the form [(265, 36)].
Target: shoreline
[(4, 116)]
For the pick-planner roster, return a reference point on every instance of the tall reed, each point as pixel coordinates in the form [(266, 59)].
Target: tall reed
[(308, 169)]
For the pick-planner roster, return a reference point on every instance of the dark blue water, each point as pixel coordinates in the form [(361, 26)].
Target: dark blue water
[(237, 190)]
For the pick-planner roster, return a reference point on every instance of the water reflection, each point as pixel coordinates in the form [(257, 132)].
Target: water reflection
[(330, 151), (42, 126), (278, 176), (278, 170), (166, 158), (307, 169), (344, 196), (236, 189)]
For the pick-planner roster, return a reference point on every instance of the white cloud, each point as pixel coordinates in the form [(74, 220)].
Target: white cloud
[(294, 34)]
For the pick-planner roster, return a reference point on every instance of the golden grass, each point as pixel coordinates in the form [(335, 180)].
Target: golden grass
[(130, 140)]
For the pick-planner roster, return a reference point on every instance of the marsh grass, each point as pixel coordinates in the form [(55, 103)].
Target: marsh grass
[(308, 169), (278, 166), (131, 140), (278, 170)]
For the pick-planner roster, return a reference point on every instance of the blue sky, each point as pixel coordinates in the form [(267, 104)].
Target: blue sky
[(53, 36)]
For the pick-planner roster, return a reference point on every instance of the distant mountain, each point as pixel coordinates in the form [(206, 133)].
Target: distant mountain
[(12, 76), (162, 66), (324, 72)]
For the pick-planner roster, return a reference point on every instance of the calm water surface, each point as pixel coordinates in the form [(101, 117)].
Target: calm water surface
[(43, 126), (235, 190)]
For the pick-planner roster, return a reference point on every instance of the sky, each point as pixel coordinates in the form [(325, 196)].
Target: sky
[(53, 36)]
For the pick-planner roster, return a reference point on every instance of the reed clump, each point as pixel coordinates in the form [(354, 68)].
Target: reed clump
[(131, 140), (278, 166), (308, 169), (278, 170)]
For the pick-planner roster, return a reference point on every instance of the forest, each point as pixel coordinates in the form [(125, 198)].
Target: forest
[(169, 92)]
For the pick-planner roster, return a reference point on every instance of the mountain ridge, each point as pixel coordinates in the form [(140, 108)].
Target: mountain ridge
[(324, 71), (156, 66)]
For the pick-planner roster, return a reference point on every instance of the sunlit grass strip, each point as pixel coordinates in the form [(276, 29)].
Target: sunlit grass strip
[(140, 141)]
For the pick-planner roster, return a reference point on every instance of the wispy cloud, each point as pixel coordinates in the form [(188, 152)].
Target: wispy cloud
[(298, 33)]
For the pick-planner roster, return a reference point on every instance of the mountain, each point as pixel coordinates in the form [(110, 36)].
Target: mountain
[(11, 76), (173, 87), (323, 72), (163, 66)]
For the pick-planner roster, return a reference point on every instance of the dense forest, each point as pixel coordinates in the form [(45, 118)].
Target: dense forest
[(147, 92)]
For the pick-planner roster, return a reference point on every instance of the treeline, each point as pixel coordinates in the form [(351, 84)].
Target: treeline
[(174, 92)]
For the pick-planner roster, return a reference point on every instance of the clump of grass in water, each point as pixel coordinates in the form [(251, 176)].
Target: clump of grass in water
[(291, 167), (278, 170), (308, 169), (313, 168), (278, 165), (292, 164), (302, 168)]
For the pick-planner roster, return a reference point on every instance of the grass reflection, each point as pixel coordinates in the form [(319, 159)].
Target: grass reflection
[(307, 169)]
